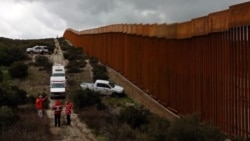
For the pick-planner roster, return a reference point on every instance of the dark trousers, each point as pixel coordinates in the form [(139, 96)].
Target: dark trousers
[(57, 120), (68, 119)]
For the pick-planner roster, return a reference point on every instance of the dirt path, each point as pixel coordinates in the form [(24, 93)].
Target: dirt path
[(78, 130)]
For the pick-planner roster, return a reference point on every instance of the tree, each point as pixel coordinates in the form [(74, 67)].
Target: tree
[(18, 70)]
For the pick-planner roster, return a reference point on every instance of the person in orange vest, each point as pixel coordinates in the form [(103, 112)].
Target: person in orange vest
[(57, 112), (68, 108), (39, 105)]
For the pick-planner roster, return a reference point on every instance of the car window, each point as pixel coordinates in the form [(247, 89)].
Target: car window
[(58, 74), (106, 86), (99, 85), (58, 85)]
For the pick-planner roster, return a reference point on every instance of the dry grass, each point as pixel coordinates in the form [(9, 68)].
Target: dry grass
[(28, 128), (36, 82)]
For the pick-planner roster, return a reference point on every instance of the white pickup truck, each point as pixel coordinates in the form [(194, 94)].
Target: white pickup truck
[(104, 87), (38, 49)]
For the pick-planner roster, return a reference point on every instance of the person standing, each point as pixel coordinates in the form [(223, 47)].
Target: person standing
[(57, 112), (68, 108), (39, 105)]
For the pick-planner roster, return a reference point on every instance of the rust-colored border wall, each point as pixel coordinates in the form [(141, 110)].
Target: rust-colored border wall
[(200, 66)]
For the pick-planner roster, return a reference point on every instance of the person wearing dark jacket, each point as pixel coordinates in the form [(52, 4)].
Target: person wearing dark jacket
[(57, 112)]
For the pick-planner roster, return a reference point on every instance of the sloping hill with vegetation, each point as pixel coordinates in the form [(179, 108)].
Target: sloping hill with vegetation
[(109, 118)]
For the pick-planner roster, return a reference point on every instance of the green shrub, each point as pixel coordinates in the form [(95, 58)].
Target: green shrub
[(134, 116), (99, 72), (82, 63), (120, 132), (155, 130), (93, 61), (20, 93), (18, 70), (28, 127), (11, 96), (74, 54), (8, 55), (1, 75), (96, 120), (190, 129), (73, 67), (100, 75), (43, 61), (83, 98), (7, 117)]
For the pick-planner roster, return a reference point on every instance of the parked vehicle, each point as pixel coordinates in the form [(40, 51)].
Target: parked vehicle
[(58, 70), (57, 87), (38, 49), (104, 87), (58, 82)]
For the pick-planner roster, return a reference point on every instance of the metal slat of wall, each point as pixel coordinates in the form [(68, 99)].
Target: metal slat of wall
[(144, 65), (244, 45), (198, 58), (203, 77), (234, 76), (248, 83), (241, 78), (243, 82), (217, 79), (155, 64), (163, 90), (238, 84), (222, 114), (213, 77), (227, 116)]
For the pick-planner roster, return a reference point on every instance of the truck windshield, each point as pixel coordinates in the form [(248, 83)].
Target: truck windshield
[(58, 74), (112, 84), (58, 85)]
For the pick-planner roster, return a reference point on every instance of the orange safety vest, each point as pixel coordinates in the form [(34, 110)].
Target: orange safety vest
[(39, 103), (68, 108), (57, 108)]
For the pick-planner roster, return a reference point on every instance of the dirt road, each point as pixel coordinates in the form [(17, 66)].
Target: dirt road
[(78, 130)]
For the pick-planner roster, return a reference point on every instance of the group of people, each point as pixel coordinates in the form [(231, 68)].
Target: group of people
[(57, 107)]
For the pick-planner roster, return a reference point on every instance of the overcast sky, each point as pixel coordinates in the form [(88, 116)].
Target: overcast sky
[(36, 19)]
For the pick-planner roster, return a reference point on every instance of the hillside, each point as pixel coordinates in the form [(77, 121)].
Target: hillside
[(105, 118)]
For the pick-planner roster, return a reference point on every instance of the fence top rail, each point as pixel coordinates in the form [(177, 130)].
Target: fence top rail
[(235, 15)]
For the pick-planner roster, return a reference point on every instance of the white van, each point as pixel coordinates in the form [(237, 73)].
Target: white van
[(58, 70), (58, 82), (57, 87)]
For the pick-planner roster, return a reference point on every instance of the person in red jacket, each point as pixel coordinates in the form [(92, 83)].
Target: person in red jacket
[(68, 108), (39, 105), (57, 112)]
